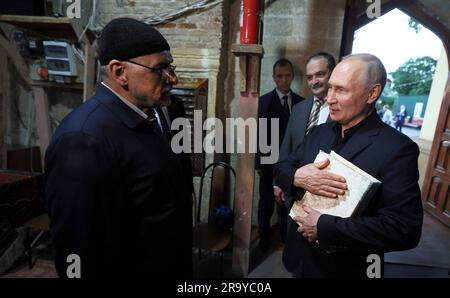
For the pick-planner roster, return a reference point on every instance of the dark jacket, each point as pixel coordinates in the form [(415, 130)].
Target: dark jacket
[(296, 131), (114, 194), (392, 220), (270, 107), (176, 110)]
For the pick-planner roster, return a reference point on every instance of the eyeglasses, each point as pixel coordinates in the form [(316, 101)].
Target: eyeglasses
[(168, 70)]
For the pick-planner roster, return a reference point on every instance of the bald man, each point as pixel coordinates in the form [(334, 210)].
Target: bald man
[(321, 245)]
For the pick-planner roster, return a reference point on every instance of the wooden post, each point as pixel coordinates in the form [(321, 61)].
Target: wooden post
[(350, 19), (42, 119), (89, 72), (250, 67), (4, 106), (20, 64)]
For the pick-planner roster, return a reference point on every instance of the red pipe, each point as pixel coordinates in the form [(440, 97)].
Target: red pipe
[(251, 20)]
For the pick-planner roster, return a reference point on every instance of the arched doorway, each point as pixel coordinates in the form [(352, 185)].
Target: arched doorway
[(433, 15)]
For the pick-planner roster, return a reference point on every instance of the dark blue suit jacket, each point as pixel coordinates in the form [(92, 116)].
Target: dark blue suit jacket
[(270, 107), (296, 131), (114, 194), (391, 221)]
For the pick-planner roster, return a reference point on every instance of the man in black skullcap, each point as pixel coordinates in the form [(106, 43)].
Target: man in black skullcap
[(115, 200)]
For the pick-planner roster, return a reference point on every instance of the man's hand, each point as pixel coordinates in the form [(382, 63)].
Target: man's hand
[(278, 194), (308, 224), (314, 178)]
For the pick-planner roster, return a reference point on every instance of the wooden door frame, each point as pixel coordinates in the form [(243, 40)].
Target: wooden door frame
[(354, 20)]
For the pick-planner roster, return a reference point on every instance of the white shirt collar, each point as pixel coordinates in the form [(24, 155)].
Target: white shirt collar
[(325, 103), (281, 94), (324, 112), (132, 106)]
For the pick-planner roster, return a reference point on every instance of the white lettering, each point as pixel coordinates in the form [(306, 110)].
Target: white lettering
[(74, 269), (374, 9), (74, 9), (374, 269)]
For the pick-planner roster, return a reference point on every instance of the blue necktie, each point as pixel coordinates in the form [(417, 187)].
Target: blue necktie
[(164, 125)]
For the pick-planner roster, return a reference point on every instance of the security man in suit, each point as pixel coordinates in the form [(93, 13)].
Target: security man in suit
[(310, 112), (116, 203), (275, 104), (321, 245)]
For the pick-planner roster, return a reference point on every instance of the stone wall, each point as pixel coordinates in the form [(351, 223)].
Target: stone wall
[(201, 40), (195, 37), (296, 29), (195, 29)]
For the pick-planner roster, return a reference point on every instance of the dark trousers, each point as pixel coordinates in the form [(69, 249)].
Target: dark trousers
[(267, 204)]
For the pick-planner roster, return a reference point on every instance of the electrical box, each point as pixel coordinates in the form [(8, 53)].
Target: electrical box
[(60, 58)]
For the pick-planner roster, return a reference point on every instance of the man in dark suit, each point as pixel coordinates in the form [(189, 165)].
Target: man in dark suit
[(320, 245), (275, 104), (310, 112), (115, 200), (400, 118), (165, 115)]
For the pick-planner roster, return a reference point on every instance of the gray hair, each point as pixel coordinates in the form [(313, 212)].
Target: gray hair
[(375, 72)]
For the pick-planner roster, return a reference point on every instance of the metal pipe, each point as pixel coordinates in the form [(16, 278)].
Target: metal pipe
[(251, 21)]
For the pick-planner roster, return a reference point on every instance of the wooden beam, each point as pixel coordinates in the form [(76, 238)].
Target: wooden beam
[(249, 55), (350, 19), (4, 105), (21, 66), (247, 49), (22, 20), (248, 108), (85, 36), (42, 119), (54, 85), (89, 72), (245, 180), (51, 27)]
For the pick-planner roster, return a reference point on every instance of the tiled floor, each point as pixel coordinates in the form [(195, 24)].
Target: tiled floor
[(433, 249), (431, 258)]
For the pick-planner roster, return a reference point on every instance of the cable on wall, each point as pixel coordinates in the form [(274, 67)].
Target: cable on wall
[(164, 17)]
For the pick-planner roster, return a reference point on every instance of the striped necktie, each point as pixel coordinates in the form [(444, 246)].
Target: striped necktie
[(314, 115)]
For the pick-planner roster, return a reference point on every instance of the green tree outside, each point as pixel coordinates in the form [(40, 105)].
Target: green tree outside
[(414, 77)]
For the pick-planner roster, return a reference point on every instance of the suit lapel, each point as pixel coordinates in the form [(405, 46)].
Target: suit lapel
[(362, 138), (327, 139), (303, 119), (355, 145), (275, 107), (295, 99), (300, 119)]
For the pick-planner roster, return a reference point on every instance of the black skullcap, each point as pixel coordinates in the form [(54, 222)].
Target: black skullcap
[(126, 38)]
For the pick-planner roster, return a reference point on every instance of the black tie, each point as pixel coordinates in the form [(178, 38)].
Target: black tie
[(286, 111), (164, 125), (151, 119)]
